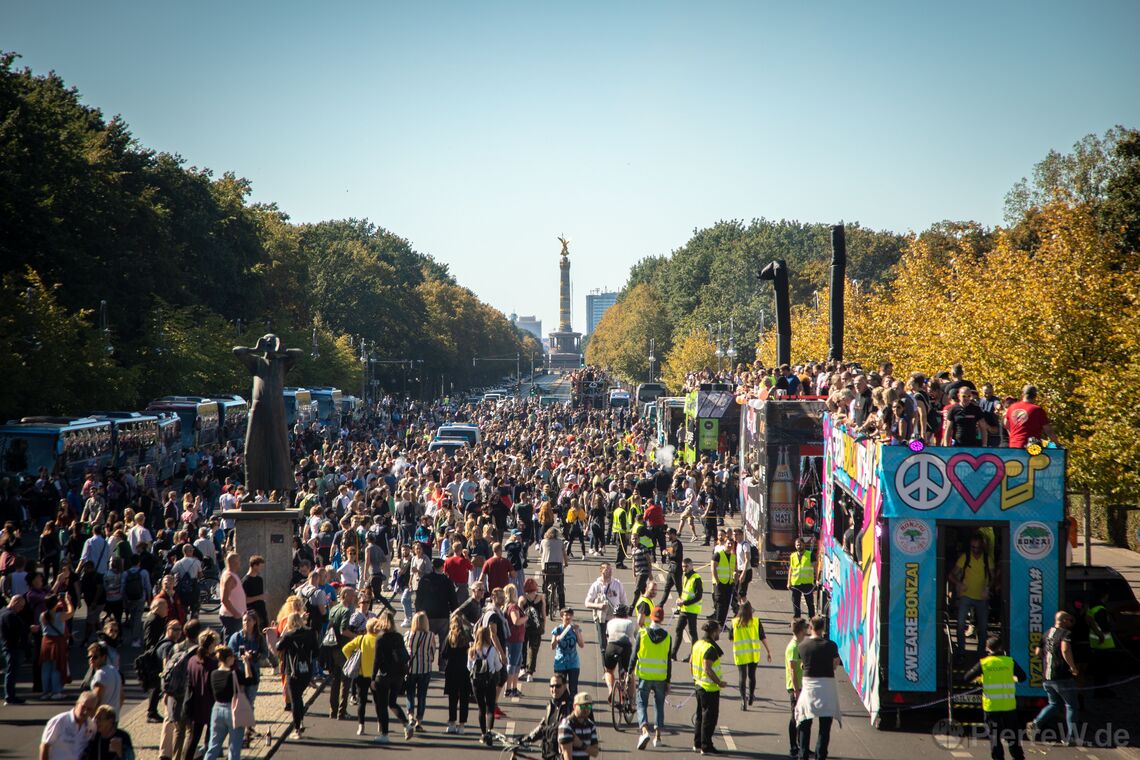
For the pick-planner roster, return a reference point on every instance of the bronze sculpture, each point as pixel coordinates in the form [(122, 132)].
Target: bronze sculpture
[(565, 245), (267, 464)]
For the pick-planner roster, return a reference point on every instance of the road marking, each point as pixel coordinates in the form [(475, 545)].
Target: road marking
[(960, 753), (510, 728), (729, 742)]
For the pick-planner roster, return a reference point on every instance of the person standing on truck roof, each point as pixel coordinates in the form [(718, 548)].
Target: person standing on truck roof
[(999, 675)]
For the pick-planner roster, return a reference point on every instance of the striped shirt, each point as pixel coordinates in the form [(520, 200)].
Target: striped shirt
[(585, 730), (421, 650)]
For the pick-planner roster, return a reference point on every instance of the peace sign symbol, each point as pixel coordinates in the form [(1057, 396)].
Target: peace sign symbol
[(929, 486)]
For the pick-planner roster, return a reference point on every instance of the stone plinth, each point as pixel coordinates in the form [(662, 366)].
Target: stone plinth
[(268, 530)]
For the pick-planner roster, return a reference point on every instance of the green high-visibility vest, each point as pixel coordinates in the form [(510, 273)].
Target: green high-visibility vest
[(746, 641), (724, 567), (800, 569), (697, 664), (998, 684), (652, 659), (1109, 642), (644, 539), (693, 608)]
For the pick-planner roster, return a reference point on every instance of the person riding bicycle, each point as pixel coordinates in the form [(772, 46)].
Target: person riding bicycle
[(557, 708), (620, 634), (553, 555)]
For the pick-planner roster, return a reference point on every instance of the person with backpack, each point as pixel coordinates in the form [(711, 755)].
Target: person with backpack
[(172, 684), (199, 697), (390, 675), (148, 664), (94, 596), (136, 596), (484, 662), (534, 607), (187, 572), (456, 678), (297, 649)]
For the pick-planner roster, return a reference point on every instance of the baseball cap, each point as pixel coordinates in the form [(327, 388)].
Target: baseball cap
[(582, 698)]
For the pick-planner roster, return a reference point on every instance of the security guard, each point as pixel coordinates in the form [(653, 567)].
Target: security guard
[(643, 607), (801, 578), (999, 675), (747, 638), (654, 669), (688, 605), (705, 666), (723, 567), (621, 532), (1102, 643)]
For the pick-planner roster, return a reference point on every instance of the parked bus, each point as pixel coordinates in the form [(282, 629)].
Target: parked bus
[(328, 405), (68, 447), (134, 438), (670, 421), (200, 417), (895, 520), (712, 423), (647, 392), (170, 445), (351, 408), (298, 407), (781, 469), (234, 412)]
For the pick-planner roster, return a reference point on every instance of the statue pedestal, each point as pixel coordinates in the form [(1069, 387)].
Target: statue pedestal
[(268, 530)]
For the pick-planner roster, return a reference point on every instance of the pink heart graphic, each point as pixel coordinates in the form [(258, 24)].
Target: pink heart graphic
[(975, 502)]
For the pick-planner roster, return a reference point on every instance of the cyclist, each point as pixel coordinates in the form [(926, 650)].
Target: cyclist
[(620, 633), (553, 561), (653, 667)]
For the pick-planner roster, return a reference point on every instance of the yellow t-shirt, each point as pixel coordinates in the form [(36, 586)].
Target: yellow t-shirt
[(974, 582)]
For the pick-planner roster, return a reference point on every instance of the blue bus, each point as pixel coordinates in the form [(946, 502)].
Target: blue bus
[(66, 446), (170, 445), (234, 412), (200, 418), (328, 405), (298, 407), (134, 438), (351, 408)]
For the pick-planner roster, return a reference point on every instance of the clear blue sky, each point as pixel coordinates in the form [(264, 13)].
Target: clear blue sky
[(482, 130)]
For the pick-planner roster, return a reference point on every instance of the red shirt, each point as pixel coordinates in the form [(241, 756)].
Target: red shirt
[(1024, 420), (457, 568), (654, 517), (498, 571)]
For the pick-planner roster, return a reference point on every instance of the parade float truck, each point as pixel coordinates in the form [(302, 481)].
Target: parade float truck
[(712, 420), (895, 519), (781, 456)]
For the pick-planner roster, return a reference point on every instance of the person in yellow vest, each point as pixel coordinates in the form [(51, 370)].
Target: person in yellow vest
[(794, 680), (688, 606), (705, 667), (621, 532), (999, 675), (801, 578), (723, 571), (644, 606), (747, 634), (653, 668), (1102, 644)]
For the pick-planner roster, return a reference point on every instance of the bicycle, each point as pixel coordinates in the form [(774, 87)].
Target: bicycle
[(209, 596), (550, 592), (512, 747), (623, 701)]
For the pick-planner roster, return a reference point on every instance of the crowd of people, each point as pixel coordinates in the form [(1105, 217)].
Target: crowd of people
[(413, 567)]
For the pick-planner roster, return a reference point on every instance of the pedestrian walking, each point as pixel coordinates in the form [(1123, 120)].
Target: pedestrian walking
[(794, 680), (999, 675), (228, 684), (420, 642), (456, 677), (1060, 681), (566, 639), (484, 661), (819, 699), (748, 637), (688, 607), (705, 667), (297, 648), (654, 670)]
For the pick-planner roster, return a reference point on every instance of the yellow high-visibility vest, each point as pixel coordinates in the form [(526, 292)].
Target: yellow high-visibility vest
[(724, 567), (652, 659), (648, 614), (697, 664), (800, 569), (1109, 642), (619, 525), (998, 684), (693, 608), (746, 641)]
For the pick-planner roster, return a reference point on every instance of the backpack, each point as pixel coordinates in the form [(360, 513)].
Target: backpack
[(753, 556), (133, 587), (533, 619), (187, 587), (147, 666), (313, 609), (395, 661), (174, 677)]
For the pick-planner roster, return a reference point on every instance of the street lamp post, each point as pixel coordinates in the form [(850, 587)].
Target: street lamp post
[(652, 359)]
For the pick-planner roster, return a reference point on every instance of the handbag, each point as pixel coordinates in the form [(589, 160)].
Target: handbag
[(351, 667), (240, 708), (329, 639)]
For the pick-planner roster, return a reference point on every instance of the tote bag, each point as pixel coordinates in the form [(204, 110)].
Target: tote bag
[(240, 708)]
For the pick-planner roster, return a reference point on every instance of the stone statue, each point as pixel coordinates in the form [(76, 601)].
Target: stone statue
[(267, 464), (565, 245)]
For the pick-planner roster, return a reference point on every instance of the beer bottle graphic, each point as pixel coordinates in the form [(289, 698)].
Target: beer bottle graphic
[(782, 506)]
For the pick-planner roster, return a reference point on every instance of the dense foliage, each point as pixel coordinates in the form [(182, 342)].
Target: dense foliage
[(188, 267)]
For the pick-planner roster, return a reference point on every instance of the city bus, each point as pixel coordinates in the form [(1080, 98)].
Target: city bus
[(298, 407), (68, 447), (170, 445), (712, 423), (200, 417), (895, 520), (234, 414), (781, 470), (351, 408), (328, 405), (134, 438)]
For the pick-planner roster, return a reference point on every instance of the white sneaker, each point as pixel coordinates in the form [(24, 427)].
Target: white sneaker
[(406, 624), (459, 729), (656, 741), (529, 677), (642, 741), (382, 739), (360, 730)]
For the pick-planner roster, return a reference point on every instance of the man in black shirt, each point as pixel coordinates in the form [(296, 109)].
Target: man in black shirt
[(254, 587), (818, 698), (964, 419), (13, 638), (674, 556)]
